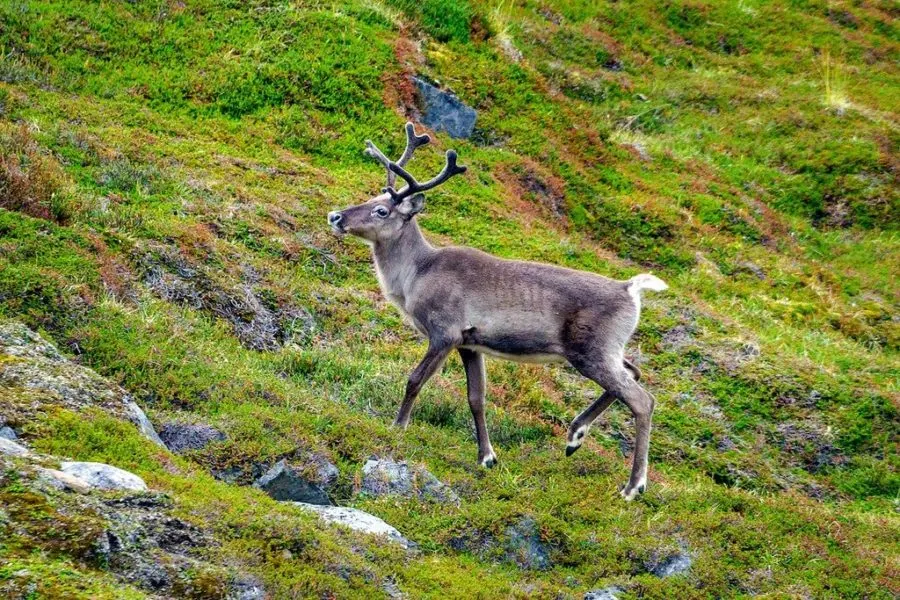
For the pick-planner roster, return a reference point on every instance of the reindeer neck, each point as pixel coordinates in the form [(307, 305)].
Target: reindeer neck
[(397, 261)]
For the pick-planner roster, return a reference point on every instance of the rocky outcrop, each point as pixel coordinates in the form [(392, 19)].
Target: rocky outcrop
[(104, 477), (385, 476), (357, 520), (443, 111), (134, 414), (132, 535), (307, 484), (35, 375), (258, 320), (8, 433), (184, 437)]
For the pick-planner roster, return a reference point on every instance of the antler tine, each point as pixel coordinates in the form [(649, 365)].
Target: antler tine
[(373, 151), (413, 141), (413, 187)]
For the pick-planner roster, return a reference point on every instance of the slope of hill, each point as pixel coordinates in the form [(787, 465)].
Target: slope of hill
[(165, 171)]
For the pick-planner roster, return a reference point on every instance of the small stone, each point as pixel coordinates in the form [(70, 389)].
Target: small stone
[(287, 482), (11, 448), (247, 588), (385, 476), (607, 593), (104, 477), (184, 437), (392, 590), (443, 111), (675, 564), (725, 444), (8, 433), (356, 520), (753, 269), (613, 64)]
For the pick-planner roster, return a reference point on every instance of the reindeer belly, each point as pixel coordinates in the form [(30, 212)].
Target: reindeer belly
[(519, 346)]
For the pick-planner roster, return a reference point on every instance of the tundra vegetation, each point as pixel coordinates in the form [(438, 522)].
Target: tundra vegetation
[(165, 170)]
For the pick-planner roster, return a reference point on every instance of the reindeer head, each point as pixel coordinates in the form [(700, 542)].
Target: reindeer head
[(383, 217)]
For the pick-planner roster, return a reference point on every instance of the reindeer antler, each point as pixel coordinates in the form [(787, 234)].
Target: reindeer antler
[(413, 141), (414, 187)]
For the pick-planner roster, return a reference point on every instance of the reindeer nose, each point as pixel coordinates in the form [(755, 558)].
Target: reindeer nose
[(334, 218)]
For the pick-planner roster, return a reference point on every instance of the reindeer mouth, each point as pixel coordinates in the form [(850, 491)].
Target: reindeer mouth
[(338, 230)]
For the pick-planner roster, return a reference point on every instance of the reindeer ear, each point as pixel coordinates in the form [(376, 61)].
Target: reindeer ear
[(411, 205)]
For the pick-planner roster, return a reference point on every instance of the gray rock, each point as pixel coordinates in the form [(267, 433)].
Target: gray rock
[(12, 448), (357, 520), (443, 111), (524, 546), (139, 418), (62, 481), (607, 593), (674, 564), (8, 433), (183, 437), (288, 482), (385, 476), (392, 590), (50, 379), (104, 477)]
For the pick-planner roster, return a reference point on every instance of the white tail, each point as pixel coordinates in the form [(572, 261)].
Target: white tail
[(646, 281)]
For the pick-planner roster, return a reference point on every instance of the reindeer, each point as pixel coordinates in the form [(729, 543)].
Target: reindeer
[(466, 300)]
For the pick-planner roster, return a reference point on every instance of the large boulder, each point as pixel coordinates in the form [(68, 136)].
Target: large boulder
[(443, 111), (35, 375), (357, 520), (307, 484), (385, 476), (62, 481), (104, 477), (184, 437)]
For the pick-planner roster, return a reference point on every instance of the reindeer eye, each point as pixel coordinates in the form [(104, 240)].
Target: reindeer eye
[(381, 211)]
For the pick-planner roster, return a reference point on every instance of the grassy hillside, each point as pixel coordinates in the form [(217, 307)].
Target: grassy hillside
[(165, 171)]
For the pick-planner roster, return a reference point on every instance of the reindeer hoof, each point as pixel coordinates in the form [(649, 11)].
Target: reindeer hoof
[(630, 494), (489, 462)]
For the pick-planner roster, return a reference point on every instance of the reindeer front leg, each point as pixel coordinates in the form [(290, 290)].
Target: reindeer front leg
[(434, 358)]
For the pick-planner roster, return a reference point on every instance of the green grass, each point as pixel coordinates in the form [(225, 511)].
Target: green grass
[(744, 151)]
